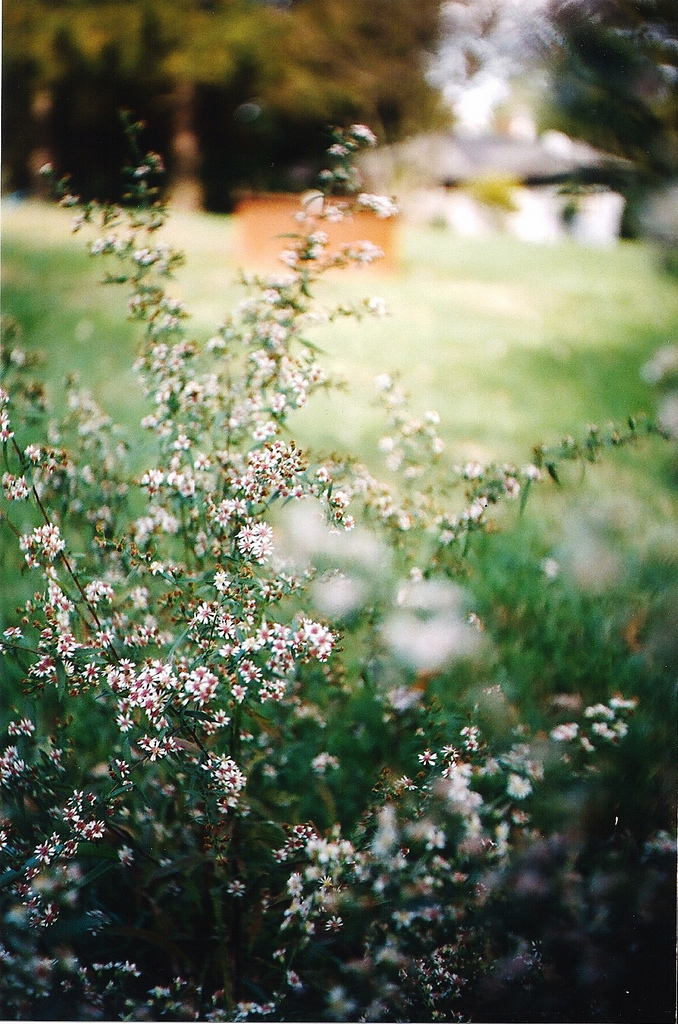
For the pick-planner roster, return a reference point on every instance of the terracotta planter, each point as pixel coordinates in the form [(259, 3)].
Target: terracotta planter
[(261, 221)]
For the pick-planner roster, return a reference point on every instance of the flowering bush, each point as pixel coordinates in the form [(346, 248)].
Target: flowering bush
[(257, 763)]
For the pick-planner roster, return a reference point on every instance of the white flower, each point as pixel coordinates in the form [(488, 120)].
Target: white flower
[(221, 581), (518, 787), (603, 730), (324, 761), (567, 731), (294, 981), (256, 540), (382, 206), (621, 704), (363, 134), (473, 470), (599, 711), (377, 306), (550, 568), (384, 382), (289, 257)]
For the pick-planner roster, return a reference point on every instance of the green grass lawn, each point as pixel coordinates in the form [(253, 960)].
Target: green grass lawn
[(512, 343)]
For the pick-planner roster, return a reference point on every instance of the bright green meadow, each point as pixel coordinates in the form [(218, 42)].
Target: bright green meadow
[(513, 344)]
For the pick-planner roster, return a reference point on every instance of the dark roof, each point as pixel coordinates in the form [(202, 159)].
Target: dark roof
[(455, 159)]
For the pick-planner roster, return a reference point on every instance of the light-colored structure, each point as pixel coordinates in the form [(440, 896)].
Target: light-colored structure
[(539, 189)]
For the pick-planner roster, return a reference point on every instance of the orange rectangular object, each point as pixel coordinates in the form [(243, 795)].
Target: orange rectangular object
[(263, 221)]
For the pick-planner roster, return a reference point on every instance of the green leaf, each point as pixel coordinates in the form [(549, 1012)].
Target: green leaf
[(525, 495)]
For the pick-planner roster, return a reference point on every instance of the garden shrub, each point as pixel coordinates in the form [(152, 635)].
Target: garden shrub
[(288, 741)]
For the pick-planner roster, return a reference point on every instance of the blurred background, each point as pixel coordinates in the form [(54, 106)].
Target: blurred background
[(528, 143), (237, 95)]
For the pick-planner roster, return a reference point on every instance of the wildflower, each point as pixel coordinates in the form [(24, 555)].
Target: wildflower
[(603, 730), (226, 778), (22, 728), (477, 507), (620, 704), (256, 540), (11, 765), (98, 591), (518, 787), (324, 761), (364, 252), (435, 839), (6, 433), (363, 134), (458, 791), (294, 981), (567, 731), (200, 686), (428, 759), (33, 452), (289, 257), (473, 471), (155, 747), (295, 884), (317, 639), (511, 487), (550, 568), (377, 306), (46, 538), (599, 711), (16, 487), (380, 205), (91, 830)]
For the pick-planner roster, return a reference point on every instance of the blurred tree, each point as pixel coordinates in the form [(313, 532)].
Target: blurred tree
[(614, 74), (492, 43), (68, 66), (238, 91)]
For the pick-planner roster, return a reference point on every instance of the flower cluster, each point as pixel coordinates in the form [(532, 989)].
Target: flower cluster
[(607, 722)]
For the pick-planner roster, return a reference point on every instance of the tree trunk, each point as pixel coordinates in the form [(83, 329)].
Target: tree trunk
[(186, 192), (41, 152)]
